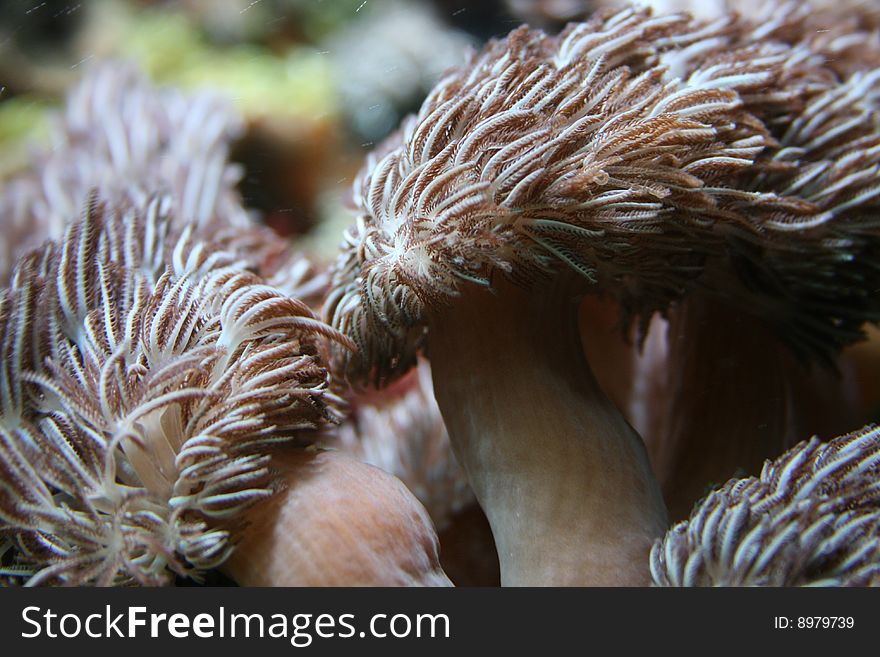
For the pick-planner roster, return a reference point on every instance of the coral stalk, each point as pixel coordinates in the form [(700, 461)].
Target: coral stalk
[(564, 480), (336, 522)]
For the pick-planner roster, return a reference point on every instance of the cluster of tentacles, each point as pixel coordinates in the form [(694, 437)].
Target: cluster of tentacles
[(651, 154), (144, 376)]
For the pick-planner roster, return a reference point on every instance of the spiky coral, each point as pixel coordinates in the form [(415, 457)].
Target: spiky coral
[(650, 154), (812, 518), (801, 253), (145, 375)]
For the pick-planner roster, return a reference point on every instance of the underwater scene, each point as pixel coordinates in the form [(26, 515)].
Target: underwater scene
[(395, 293)]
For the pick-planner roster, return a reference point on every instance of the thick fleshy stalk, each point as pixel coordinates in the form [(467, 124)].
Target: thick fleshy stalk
[(337, 522), (563, 479), (737, 397), (863, 360)]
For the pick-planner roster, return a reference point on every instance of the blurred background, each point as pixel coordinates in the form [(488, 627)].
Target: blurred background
[(319, 82)]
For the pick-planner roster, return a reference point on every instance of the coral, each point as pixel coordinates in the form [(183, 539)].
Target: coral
[(812, 518), (145, 376), (650, 154), (129, 141)]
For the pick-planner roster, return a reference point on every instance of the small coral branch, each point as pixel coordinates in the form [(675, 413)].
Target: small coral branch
[(812, 518)]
